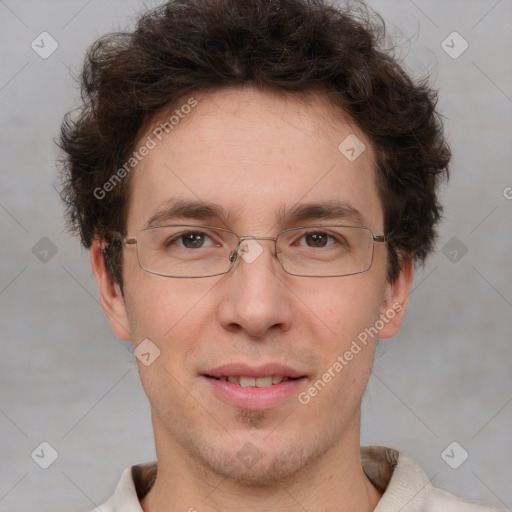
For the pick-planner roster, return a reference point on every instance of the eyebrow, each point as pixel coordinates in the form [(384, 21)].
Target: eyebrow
[(327, 210), (202, 210)]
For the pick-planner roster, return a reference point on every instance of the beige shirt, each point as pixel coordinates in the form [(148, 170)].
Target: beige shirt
[(405, 486)]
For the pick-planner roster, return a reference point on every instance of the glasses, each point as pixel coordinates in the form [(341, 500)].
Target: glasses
[(204, 251)]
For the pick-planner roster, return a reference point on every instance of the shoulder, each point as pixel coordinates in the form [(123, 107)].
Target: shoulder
[(439, 500), (407, 488), (135, 483)]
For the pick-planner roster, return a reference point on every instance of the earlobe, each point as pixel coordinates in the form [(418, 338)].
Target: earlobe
[(396, 299), (111, 297)]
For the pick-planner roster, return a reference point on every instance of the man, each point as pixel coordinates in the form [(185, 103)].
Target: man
[(255, 180)]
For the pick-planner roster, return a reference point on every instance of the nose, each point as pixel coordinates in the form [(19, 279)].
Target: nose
[(254, 296)]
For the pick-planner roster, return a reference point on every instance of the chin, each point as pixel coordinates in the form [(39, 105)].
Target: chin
[(254, 461), (254, 468)]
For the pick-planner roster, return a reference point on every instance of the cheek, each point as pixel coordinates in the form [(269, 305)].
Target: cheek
[(158, 306), (345, 307), (172, 316), (350, 309)]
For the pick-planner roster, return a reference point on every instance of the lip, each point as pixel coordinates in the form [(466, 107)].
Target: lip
[(244, 370), (253, 398)]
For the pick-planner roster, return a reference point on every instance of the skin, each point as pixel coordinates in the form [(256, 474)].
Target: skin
[(253, 152)]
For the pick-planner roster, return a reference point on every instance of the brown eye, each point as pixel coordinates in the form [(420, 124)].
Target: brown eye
[(193, 240), (189, 240), (317, 239)]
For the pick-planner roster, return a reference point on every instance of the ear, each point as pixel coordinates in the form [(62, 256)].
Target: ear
[(395, 301), (111, 297)]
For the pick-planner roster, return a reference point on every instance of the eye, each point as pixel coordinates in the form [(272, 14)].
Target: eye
[(191, 240), (317, 239), (336, 238)]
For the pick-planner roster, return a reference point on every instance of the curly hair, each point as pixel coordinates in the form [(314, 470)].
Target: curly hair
[(295, 47)]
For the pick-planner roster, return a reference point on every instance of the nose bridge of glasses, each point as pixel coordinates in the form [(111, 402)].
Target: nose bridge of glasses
[(249, 251), (242, 238), (244, 242)]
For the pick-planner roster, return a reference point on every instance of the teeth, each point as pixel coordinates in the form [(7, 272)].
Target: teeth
[(247, 382), (263, 382), (251, 382)]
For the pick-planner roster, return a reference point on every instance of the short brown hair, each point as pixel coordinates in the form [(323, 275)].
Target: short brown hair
[(286, 46)]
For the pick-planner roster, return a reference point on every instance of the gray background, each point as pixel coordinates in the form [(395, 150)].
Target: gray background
[(67, 380)]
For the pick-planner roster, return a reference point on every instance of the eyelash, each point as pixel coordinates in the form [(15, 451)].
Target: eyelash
[(180, 237)]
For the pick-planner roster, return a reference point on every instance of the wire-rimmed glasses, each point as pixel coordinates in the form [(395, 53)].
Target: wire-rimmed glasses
[(187, 250)]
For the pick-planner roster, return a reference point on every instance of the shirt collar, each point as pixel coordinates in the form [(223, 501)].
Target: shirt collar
[(397, 475), (394, 473)]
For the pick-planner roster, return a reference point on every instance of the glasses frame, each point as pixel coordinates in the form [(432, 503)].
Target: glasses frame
[(233, 257)]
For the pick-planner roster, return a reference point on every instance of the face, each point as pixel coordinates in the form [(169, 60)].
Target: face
[(257, 156)]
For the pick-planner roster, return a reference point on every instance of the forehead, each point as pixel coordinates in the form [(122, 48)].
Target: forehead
[(259, 157)]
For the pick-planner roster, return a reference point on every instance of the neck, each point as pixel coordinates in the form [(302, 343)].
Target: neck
[(334, 482)]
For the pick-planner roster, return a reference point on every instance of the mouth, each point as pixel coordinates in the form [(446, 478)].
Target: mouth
[(251, 388), (253, 382)]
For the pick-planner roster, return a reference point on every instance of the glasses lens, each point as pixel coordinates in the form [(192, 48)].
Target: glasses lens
[(185, 250), (202, 251), (325, 250)]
